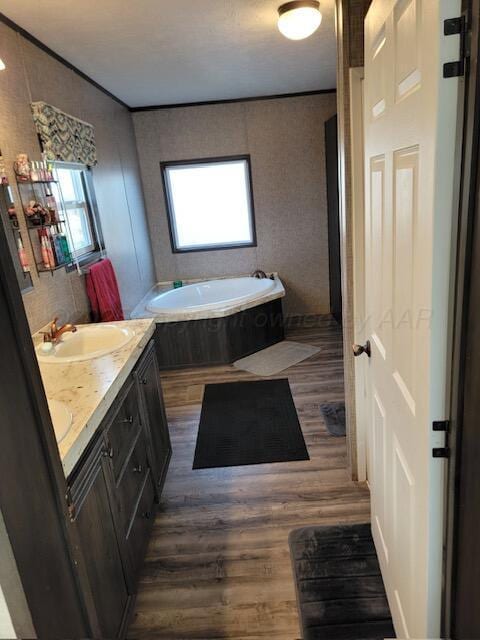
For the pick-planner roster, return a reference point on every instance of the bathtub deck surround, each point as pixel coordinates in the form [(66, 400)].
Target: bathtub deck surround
[(89, 387), (221, 320), (219, 340), (219, 309)]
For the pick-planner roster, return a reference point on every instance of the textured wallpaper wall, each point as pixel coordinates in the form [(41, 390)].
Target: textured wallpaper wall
[(285, 138), (31, 74)]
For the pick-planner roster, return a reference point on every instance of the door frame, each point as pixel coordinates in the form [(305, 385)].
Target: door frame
[(356, 75), (469, 213)]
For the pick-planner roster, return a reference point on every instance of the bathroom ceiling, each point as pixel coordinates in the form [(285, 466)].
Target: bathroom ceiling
[(154, 52)]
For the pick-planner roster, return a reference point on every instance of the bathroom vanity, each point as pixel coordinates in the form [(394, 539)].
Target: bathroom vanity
[(115, 459)]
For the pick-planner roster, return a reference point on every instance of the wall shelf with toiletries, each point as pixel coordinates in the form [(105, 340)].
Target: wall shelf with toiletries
[(41, 198), (8, 215)]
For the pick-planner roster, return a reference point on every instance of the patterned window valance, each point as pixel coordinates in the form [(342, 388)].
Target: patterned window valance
[(64, 137)]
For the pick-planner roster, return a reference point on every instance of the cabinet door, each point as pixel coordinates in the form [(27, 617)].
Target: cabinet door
[(153, 411), (101, 554), (138, 532)]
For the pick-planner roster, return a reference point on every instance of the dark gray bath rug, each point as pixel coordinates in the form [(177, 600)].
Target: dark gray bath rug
[(340, 592), (334, 416), (248, 423)]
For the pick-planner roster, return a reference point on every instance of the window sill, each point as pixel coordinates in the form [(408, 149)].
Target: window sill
[(87, 261)]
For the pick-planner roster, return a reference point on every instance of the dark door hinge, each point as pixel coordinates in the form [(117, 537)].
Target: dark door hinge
[(451, 27), (441, 452), (454, 69), (441, 425)]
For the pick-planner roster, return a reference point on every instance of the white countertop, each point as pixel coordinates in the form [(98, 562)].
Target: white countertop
[(141, 310), (88, 388)]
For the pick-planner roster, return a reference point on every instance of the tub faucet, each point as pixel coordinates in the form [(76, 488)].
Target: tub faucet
[(259, 274), (55, 332)]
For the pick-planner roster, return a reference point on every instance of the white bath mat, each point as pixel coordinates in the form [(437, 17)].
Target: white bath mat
[(273, 360)]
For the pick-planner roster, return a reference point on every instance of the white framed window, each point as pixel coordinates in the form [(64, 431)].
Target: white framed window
[(74, 198), (209, 203)]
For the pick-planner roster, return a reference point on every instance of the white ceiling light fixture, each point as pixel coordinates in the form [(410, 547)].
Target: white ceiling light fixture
[(299, 19), (2, 65)]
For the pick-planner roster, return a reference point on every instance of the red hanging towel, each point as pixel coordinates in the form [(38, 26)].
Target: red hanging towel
[(102, 291)]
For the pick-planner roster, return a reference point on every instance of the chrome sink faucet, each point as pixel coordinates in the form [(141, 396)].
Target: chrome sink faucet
[(55, 332)]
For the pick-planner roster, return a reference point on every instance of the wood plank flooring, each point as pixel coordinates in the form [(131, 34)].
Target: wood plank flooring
[(218, 563)]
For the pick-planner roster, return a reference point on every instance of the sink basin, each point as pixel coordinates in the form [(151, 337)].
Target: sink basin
[(89, 341), (61, 418)]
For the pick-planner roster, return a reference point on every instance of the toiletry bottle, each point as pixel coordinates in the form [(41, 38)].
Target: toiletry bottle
[(65, 248), (22, 256), (51, 206), (57, 246), (46, 177), (45, 260), (51, 257), (34, 177)]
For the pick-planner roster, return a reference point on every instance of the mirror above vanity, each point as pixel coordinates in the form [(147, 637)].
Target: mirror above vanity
[(13, 231)]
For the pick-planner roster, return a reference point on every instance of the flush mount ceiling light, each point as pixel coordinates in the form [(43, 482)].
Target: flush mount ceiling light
[(299, 19)]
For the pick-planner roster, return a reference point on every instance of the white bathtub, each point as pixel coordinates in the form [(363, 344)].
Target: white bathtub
[(204, 298)]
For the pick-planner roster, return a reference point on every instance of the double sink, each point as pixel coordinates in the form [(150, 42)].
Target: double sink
[(88, 342)]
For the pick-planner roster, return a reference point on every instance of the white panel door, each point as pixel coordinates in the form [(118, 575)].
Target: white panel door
[(410, 124)]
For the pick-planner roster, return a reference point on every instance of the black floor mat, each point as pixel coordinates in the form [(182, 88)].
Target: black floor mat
[(334, 416), (248, 423), (340, 589)]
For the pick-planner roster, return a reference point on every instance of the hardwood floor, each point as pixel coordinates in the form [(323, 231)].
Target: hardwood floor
[(218, 563)]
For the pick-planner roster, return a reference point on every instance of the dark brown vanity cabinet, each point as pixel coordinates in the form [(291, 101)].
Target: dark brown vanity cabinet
[(101, 552), (153, 412), (114, 492)]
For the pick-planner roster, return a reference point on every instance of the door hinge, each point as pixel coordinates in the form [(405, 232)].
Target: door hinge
[(72, 511), (441, 452), (441, 425), (451, 27)]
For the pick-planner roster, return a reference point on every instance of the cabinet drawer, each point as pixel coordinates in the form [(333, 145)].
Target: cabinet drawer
[(131, 480), (138, 533), (123, 429)]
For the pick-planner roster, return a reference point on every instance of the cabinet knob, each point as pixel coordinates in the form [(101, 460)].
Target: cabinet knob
[(147, 515), (138, 468), (128, 420)]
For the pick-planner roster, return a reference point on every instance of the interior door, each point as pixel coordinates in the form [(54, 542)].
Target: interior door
[(410, 134)]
